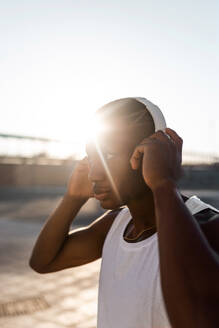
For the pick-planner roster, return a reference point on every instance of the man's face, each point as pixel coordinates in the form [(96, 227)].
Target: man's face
[(114, 181)]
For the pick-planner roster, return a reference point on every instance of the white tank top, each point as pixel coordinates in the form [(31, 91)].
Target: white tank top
[(130, 293)]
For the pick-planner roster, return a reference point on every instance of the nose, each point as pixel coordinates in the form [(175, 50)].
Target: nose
[(96, 171)]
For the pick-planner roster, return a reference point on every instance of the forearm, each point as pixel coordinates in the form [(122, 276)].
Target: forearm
[(188, 264), (54, 232)]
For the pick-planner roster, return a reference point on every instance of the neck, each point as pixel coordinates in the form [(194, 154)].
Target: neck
[(142, 211)]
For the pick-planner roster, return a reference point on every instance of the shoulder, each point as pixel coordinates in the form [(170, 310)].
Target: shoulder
[(205, 216), (205, 213), (209, 223), (102, 225)]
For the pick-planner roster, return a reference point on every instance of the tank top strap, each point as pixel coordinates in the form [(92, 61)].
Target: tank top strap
[(118, 224)]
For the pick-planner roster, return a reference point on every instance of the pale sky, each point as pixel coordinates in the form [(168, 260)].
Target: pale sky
[(61, 60)]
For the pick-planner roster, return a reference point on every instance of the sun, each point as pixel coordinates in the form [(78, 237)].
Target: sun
[(79, 130)]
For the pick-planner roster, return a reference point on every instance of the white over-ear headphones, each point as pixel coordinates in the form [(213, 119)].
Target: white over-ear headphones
[(157, 115)]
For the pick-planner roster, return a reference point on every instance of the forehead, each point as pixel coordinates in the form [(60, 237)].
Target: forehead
[(118, 137)]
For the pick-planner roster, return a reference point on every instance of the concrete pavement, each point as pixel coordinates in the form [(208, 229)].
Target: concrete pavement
[(64, 299)]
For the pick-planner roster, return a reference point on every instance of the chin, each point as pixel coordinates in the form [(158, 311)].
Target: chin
[(109, 204)]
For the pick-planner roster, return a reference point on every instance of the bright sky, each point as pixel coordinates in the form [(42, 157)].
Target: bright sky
[(61, 60)]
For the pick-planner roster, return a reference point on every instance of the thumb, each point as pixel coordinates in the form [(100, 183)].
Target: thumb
[(136, 157)]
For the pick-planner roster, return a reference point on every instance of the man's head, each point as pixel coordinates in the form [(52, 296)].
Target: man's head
[(126, 122)]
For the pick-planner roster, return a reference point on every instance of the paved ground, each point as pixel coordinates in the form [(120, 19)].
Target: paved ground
[(64, 299)]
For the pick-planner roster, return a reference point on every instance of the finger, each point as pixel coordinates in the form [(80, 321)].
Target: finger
[(84, 161), (136, 157), (167, 142), (177, 141), (162, 136), (175, 137), (82, 165), (159, 135), (153, 137)]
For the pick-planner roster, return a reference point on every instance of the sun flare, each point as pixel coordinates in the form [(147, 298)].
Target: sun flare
[(84, 129)]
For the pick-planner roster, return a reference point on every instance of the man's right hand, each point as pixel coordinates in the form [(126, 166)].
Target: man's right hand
[(79, 186)]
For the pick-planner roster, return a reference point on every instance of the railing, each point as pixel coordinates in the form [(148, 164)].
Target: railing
[(29, 149), (193, 158), (34, 147)]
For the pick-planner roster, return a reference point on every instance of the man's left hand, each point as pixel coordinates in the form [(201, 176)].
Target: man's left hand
[(161, 157)]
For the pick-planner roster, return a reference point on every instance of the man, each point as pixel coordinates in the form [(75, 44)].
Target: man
[(132, 169)]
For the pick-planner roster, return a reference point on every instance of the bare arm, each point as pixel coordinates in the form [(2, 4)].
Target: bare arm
[(189, 265), (54, 233), (189, 262), (56, 248), (77, 247)]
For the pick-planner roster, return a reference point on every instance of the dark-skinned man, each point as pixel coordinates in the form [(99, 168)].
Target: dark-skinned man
[(151, 235)]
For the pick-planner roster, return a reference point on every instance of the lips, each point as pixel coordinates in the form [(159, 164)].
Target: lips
[(100, 193), (101, 196)]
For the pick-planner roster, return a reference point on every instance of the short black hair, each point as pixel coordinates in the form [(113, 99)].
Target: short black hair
[(130, 111)]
